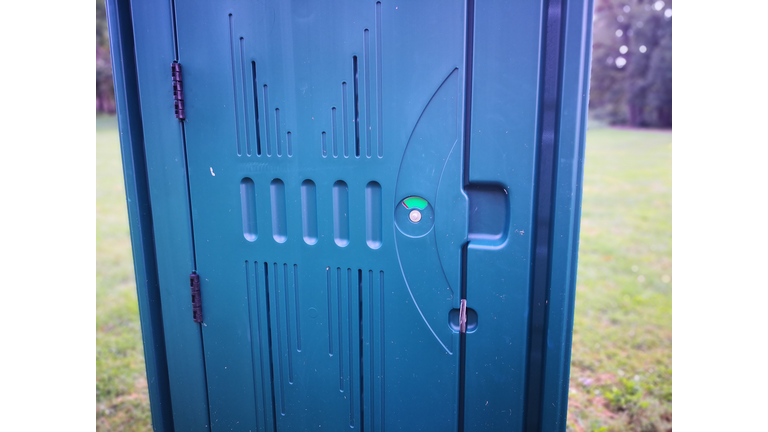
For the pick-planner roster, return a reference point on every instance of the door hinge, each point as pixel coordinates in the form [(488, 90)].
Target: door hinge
[(197, 303), (178, 90), (463, 316)]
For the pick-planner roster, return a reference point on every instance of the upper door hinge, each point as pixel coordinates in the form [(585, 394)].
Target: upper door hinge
[(197, 303), (178, 90)]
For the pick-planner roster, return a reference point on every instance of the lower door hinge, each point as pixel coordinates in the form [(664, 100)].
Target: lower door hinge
[(197, 304), (463, 316), (178, 90)]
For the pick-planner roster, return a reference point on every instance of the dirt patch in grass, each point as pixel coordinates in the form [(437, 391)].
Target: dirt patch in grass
[(127, 412)]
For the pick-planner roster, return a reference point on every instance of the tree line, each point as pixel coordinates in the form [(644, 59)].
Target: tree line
[(631, 63), (105, 94)]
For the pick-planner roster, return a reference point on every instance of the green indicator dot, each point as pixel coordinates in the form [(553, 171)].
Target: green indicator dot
[(415, 202)]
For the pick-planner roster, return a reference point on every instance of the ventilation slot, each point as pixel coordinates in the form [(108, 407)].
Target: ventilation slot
[(235, 101), (309, 211), (266, 120), (256, 108), (373, 215), (279, 334), (341, 213), (269, 343), (248, 207), (334, 133), (357, 108), (367, 62), (279, 223)]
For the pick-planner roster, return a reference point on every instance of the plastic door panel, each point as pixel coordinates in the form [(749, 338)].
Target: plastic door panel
[(308, 124)]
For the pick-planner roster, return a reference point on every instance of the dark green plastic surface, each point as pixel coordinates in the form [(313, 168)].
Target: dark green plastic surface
[(326, 304), (331, 366), (139, 212)]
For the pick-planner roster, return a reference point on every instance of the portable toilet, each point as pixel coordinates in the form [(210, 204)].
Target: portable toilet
[(354, 214)]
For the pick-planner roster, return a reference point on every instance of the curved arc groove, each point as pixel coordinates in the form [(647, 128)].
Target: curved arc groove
[(398, 191)]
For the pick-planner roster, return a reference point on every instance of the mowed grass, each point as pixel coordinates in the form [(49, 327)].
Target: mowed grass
[(621, 366), (621, 376), (122, 402)]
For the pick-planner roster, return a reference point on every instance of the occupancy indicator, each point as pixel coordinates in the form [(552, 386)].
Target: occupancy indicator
[(415, 217), (415, 202)]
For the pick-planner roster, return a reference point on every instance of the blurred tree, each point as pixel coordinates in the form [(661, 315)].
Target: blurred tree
[(632, 62), (105, 95)]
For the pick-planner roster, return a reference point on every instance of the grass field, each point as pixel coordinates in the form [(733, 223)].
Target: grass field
[(621, 373), (621, 366), (122, 403)]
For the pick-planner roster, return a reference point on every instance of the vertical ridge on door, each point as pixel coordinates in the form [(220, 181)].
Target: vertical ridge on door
[(330, 312), (380, 135), (344, 115), (334, 134), (355, 73), (278, 136), (266, 119), (288, 333), (255, 87), (360, 344), (367, 300), (269, 345), (235, 101), (340, 321), (382, 353), (297, 307), (367, 67), (351, 376), (243, 92), (274, 290), (257, 348)]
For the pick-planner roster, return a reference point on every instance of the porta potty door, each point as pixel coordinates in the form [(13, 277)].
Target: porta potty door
[(325, 167), (378, 191)]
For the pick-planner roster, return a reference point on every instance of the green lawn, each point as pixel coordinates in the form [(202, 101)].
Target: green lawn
[(621, 374), (122, 403), (621, 366)]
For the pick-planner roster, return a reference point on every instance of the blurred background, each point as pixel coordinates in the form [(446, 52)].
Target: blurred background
[(621, 366)]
